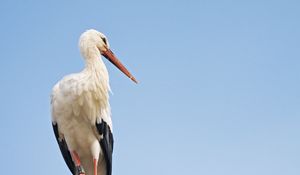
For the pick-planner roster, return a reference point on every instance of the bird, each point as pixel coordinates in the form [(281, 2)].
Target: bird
[(80, 109)]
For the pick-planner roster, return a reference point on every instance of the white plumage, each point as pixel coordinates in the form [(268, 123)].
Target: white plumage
[(81, 100)]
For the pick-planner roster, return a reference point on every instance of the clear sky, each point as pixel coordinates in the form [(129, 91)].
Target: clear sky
[(218, 93)]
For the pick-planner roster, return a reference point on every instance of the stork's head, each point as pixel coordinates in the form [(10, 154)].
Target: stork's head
[(93, 43)]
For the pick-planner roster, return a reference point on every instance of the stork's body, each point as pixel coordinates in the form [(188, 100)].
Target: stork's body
[(81, 112)]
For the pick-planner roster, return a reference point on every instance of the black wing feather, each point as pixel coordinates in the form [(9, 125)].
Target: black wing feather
[(64, 150), (106, 143)]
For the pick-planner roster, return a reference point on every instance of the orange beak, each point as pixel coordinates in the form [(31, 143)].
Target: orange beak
[(114, 60)]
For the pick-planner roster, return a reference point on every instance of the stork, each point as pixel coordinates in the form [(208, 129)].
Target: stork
[(81, 117)]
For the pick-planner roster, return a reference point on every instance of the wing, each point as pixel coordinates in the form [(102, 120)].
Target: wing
[(106, 143), (64, 150)]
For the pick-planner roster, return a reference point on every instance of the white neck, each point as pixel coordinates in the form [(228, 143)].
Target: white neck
[(96, 68), (98, 83)]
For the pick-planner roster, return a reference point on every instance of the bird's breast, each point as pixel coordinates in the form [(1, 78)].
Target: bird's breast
[(92, 100), (81, 97)]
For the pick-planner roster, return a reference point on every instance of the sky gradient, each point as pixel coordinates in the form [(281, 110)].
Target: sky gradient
[(218, 93)]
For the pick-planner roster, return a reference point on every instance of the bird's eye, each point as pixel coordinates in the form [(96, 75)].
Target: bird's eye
[(104, 40)]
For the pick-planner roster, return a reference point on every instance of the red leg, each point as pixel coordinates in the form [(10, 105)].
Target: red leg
[(95, 166), (76, 158), (77, 162)]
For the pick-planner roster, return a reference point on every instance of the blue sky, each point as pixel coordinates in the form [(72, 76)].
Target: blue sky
[(218, 93)]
